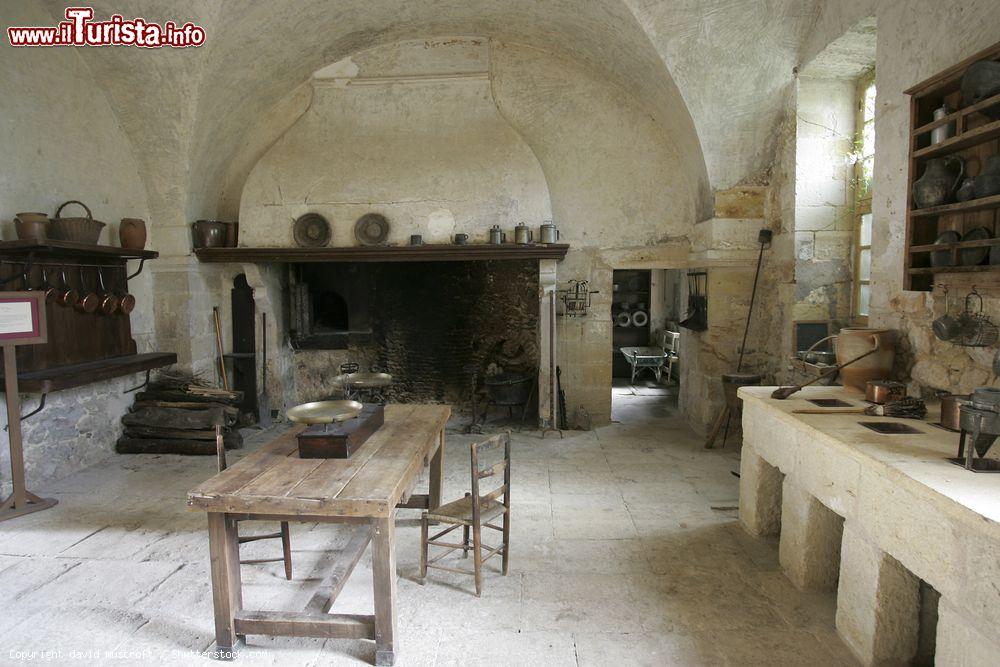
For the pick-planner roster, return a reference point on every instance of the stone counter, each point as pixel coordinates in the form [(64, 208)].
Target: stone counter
[(871, 515)]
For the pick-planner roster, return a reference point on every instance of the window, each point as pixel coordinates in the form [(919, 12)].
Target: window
[(864, 151)]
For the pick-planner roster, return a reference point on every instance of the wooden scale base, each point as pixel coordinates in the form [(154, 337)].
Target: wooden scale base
[(340, 440)]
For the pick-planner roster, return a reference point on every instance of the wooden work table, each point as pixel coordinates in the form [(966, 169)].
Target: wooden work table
[(274, 484)]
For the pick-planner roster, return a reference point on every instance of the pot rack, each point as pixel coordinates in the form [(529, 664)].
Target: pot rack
[(31, 263), (107, 351)]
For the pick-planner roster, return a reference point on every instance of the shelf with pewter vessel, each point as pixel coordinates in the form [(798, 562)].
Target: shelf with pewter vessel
[(954, 136)]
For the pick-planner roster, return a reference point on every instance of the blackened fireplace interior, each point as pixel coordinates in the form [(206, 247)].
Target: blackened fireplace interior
[(430, 324)]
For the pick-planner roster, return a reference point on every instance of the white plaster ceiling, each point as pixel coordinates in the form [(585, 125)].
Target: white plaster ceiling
[(710, 71)]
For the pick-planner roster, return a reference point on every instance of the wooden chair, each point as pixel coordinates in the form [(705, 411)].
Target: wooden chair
[(283, 534), (473, 511)]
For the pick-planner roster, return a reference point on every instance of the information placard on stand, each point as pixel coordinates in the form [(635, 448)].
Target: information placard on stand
[(22, 322)]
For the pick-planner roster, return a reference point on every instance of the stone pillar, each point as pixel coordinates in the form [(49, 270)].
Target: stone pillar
[(547, 282), (878, 604), (809, 549), (959, 643), (760, 494)]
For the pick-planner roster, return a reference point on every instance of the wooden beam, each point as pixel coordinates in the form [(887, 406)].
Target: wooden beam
[(323, 599), (299, 624)]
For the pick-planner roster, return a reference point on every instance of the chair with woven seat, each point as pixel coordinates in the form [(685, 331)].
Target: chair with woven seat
[(283, 533), (473, 512)]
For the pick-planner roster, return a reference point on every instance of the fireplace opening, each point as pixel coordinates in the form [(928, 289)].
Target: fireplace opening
[(432, 325), (330, 312)]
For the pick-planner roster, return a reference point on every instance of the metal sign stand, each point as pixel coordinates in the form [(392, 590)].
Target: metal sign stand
[(13, 333)]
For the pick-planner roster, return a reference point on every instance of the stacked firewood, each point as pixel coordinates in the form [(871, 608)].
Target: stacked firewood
[(178, 415)]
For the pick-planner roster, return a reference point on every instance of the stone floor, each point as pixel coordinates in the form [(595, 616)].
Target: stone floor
[(625, 551)]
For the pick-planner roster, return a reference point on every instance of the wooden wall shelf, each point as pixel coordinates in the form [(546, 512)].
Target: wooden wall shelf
[(976, 137), (78, 375), (76, 250), (439, 252)]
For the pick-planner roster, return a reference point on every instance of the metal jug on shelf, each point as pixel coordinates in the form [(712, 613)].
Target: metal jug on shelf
[(522, 234), (548, 233), (496, 235)]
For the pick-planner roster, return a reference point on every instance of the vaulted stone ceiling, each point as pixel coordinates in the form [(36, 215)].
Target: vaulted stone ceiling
[(710, 71)]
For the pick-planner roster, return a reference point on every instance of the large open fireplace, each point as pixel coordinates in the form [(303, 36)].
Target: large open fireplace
[(432, 325)]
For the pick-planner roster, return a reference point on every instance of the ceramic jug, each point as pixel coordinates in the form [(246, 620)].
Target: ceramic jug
[(852, 343), (132, 233), (941, 178), (987, 182)]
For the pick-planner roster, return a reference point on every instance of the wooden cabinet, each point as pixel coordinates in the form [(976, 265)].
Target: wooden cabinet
[(974, 138)]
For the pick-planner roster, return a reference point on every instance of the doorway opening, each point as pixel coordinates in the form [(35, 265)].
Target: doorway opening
[(645, 356)]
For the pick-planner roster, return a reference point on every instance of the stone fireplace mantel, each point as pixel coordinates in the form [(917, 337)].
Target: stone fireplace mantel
[(438, 252)]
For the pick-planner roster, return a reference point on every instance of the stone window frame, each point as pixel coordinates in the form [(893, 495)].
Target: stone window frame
[(864, 151)]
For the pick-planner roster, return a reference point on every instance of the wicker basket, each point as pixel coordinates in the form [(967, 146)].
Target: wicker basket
[(77, 230)]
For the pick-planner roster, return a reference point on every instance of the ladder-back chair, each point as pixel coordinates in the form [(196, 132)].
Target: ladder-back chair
[(283, 534), (474, 512)]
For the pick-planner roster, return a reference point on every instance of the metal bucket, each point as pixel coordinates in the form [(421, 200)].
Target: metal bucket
[(508, 388)]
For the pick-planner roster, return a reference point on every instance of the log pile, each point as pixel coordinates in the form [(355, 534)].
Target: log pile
[(176, 418)]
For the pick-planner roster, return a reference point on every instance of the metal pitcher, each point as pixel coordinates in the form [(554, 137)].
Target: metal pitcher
[(548, 233), (497, 236), (522, 234)]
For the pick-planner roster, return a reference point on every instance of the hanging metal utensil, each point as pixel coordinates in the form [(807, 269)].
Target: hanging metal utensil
[(67, 295), (108, 300), (89, 301), (263, 404), (126, 301)]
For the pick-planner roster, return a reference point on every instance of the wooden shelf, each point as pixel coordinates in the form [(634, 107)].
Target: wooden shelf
[(982, 204), (958, 143), (957, 245), (77, 375), (442, 252), (931, 270), (976, 138), (68, 249)]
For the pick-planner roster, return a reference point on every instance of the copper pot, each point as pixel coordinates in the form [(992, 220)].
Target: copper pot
[(884, 391), (108, 300), (89, 301), (51, 292), (951, 410), (126, 301), (67, 295)]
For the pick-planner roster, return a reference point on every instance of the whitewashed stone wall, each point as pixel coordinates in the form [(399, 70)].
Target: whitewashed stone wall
[(62, 140)]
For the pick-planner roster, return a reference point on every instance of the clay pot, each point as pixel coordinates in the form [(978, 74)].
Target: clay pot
[(31, 226), (232, 234), (132, 233), (852, 343)]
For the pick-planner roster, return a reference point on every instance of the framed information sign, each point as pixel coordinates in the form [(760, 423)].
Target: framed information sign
[(22, 322), (22, 318)]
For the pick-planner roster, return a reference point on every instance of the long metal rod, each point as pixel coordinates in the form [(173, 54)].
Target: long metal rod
[(746, 329)]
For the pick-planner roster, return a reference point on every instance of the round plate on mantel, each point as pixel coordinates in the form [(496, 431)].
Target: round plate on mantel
[(371, 229), (311, 231)]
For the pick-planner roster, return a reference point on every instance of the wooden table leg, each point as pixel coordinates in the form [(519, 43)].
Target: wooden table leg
[(437, 474), (227, 589), (384, 576)]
